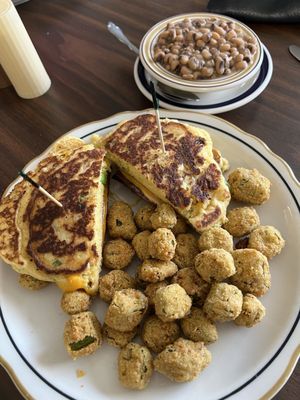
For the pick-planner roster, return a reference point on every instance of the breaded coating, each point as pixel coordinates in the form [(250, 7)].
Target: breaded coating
[(215, 265), (172, 302), (215, 238), (198, 328), (82, 334), (249, 185), (223, 303), (142, 217), (75, 302), (252, 312), (151, 289), (241, 221), (117, 254), (140, 245), (183, 360), (180, 227), (267, 240), (163, 217), (120, 221), (192, 283), (116, 338), (157, 334), (115, 280), (156, 270), (162, 244), (186, 250), (223, 162), (31, 283), (135, 366), (126, 310), (252, 272)]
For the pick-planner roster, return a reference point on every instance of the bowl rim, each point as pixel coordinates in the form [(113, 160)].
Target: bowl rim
[(175, 81)]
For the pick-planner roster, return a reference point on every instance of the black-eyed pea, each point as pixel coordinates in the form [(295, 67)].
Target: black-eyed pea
[(238, 58), (220, 65), (241, 65), (227, 71), (178, 31), (221, 41), (198, 35), (238, 42), (172, 34), (206, 54), (207, 72), (215, 35), (159, 55), (220, 30), (184, 59), (190, 36), (161, 41), (173, 65), (210, 63), (180, 38), (225, 47), (193, 63), (200, 43), (231, 34), (188, 77), (213, 42), (252, 48), (204, 30), (232, 25), (207, 37), (223, 25), (214, 51), (185, 71), (164, 34)]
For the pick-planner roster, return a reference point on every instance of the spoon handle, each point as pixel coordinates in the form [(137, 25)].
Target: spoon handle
[(117, 32)]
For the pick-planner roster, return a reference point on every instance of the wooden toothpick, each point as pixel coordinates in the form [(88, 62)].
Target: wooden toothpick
[(40, 188), (156, 110)]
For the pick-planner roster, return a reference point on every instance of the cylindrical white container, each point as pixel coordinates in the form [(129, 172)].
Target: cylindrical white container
[(18, 55)]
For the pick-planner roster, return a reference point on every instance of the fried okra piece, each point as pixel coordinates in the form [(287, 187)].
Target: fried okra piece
[(214, 265), (267, 240), (120, 221), (183, 360), (186, 250), (117, 254), (172, 302), (151, 289), (241, 221), (180, 227), (215, 238), (82, 334), (75, 302), (140, 245), (126, 310), (162, 244), (252, 272), (31, 283), (163, 217), (135, 366), (249, 185), (252, 312), (192, 283), (142, 217), (198, 328), (156, 270), (115, 280), (116, 338), (157, 334), (223, 302)]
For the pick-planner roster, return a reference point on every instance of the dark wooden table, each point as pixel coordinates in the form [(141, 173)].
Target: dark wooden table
[(92, 78)]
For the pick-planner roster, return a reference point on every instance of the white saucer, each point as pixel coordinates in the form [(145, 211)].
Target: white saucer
[(215, 104)]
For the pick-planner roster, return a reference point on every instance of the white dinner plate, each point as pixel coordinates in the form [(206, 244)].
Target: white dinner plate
[(247, 364), (214, 102)]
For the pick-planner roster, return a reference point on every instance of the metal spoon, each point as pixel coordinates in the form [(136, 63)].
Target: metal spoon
[(295, 51)]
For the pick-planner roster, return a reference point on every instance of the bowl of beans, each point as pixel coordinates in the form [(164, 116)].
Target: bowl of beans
[(201, 52)]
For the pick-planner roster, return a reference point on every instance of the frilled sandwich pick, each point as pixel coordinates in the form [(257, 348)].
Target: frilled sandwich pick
[(186, 176), (50, 243)]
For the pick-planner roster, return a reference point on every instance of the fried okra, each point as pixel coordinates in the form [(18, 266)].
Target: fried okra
[(186, 250), (151, 289), (115, 280), (223, 302), (126, 310), (117, 254), (135, 366), (163, 217), (116, 338), (241, 221), (31, 283), (249, 185), (214, 265), (183, 360), (157, 334), (180, 227), (267, 240), (162, 244), (156, 270), (252, 272), (82, 334), (120, 221), (140, 245), (75, 302), (198, 328), (142, 217), (192, 283), (215, 238), (172, 302), (252, 312)]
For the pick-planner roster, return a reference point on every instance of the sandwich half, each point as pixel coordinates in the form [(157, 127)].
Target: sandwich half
[(62, 245), (186, 176)]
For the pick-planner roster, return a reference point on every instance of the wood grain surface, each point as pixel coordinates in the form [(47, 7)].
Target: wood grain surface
[(92, 78)]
